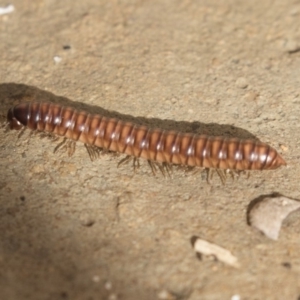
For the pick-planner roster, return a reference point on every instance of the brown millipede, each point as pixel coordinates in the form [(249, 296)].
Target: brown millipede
[(154, 145)]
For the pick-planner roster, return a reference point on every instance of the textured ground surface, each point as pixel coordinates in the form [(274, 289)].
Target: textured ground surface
[(231, 63)]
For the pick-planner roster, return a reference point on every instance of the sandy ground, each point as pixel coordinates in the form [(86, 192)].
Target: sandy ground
[(75, 229)]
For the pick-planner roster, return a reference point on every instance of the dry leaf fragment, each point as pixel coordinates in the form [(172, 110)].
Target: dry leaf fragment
[(268, 214), (220, 253)]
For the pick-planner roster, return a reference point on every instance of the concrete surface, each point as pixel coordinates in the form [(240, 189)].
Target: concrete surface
[(75, 229)]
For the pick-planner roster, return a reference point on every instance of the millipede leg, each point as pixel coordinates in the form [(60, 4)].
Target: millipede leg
[(231, 173), (104, 151), (5, 126), (50, 135), (222, 175), (55, 138), (136, 164), (28, 136), (194, 170), (210, 174), (59, 145), (97, 151), (93, 151), (89, 151), (162, 170), (71, 146), (66, 144), (237, 174), (152, 166), (22, 132), (124, 160), (168, 168), (188, 169)]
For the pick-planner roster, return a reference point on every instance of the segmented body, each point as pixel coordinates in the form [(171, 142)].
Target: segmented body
[(170, 147)]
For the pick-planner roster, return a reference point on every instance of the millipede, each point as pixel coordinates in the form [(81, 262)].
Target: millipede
[(164, 147)]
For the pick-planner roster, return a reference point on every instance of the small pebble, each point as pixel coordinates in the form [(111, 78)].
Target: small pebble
[(57, 59), (96, 278), (284, 148), (235, 60), (112, 297), (251, 96), (236, 297), (295, 11), (174, 100), (86, 220), (108, 285), (37, 168), (186, 197), (241, 83), (262, 247), (292, 46), (287, 265), (165, 295)]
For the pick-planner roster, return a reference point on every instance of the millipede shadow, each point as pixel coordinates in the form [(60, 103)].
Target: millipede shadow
[(12, 94)]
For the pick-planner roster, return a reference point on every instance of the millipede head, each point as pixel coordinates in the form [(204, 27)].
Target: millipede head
[(17, 116), (12, 121)]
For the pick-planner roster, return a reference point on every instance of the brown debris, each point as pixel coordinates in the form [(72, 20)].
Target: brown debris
[(268, 214)]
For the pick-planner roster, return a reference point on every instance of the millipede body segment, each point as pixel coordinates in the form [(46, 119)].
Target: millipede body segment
[(157, 145)]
